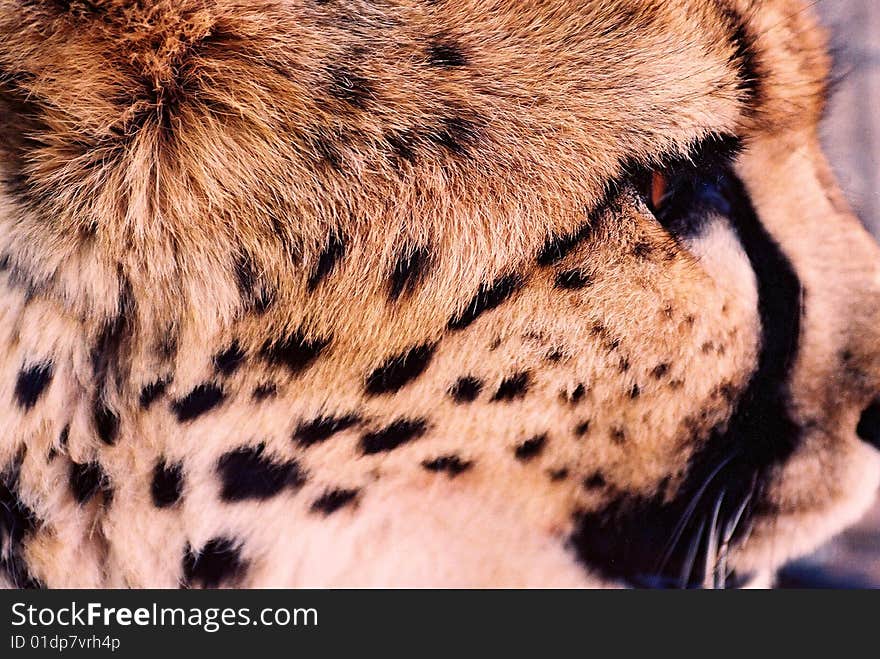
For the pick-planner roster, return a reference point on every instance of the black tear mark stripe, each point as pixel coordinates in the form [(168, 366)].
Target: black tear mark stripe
[(199, 401), (399, 371), (409, 270), (333, 500), (328, 260), (452, 465), (218, 562), (322, 428), (512, 388), (466, 389), (166, 487), (295, 351), (248, 473), (488, 297), (395, 434), (227, 361), (622, 539), (17, 521), (32, 382), (86, 480)]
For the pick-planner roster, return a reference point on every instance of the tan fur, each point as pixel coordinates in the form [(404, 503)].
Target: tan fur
[(153, 150)]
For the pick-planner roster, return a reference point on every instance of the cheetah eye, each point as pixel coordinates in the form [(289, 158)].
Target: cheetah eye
[(656, 194), (684, 191)]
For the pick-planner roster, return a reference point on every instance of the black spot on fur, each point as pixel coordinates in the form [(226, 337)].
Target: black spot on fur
[(399, 371), (247, 473), (106, 423), (617, 435), (329, 151), (227, 361), (403, 145), (576, 396), (323, 428), (218, 562), (31, 383), (444, 52), (466, 389), (265, 390), (557, 475), (582, 428), (487, 298), (530, 448), (450, 464), (166, 347), (455, 134), (350, 87), (255, 294), (393, 435), (642, 250), (151, 392), (408, 272), (200, 400), (167, 486), (514, 387), (17, 520), (64, 438), (86, 480), (108, 346), (294, 351), (635, 392), (333, 251), (595, 481), (572, 280), (333, 500), (659, 371)]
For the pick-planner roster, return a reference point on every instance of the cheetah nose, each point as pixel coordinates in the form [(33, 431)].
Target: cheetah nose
[(869, 424)]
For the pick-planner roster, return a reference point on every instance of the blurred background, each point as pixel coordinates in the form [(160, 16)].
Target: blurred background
[(851, 134)]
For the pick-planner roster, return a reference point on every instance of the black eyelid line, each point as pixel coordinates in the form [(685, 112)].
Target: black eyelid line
[(715, 152), (712, 151)]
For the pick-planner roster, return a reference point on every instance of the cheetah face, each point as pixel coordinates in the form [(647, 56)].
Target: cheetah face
[(425, 293)]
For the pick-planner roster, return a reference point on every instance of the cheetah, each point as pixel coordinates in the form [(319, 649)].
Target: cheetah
[(434, 293)]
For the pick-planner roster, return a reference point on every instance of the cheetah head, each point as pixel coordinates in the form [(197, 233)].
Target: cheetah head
[(579, 267)]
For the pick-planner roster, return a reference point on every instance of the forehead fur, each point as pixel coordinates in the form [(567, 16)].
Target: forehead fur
[(175, 144)]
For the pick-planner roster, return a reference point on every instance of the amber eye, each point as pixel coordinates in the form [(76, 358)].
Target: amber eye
[(658, 189)]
